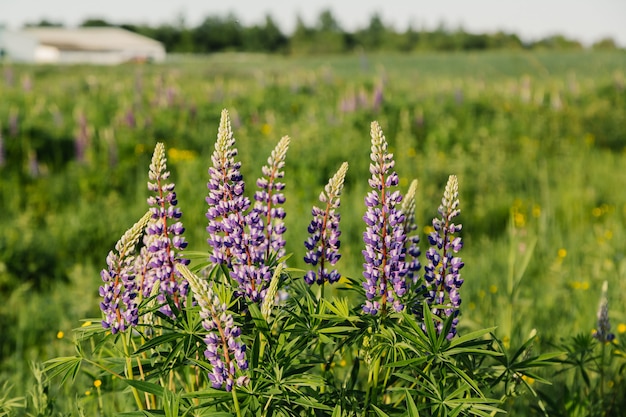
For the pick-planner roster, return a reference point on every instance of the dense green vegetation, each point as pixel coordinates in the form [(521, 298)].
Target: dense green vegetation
[(537, 140)]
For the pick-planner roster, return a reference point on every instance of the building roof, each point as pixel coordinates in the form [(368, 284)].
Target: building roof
[(91, 38)]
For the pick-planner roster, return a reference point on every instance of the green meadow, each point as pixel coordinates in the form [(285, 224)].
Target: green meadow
[(536, 139)]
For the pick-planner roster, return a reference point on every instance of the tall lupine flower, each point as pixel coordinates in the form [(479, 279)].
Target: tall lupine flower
[(412, 243), (323, 243), (385, 267), (226, 200), (225, 351), (119, 291), (441, 273), (270, 197), (164, 236), (603, 332), (237, 239)]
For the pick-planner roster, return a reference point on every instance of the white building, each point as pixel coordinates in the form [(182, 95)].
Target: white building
[(90, 45)]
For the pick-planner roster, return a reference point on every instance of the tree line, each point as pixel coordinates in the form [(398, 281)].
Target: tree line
[(226, 33)]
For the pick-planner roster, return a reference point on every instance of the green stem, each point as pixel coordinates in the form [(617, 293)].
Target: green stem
[(129, 369), (236, 401)]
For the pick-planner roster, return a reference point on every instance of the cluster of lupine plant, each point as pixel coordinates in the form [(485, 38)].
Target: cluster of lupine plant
[(235, 330)]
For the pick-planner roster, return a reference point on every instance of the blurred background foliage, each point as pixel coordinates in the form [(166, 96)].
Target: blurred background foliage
[(536, 138), (221, 33)]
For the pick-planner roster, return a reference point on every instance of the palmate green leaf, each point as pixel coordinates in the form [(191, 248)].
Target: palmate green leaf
[(171, 403), (407, 362), (257, 317), (338, 329), (411, 408), (68, 366), (145, 386), (311, 402), (157, 341), (463, 340), (209, 393), (379, 412)]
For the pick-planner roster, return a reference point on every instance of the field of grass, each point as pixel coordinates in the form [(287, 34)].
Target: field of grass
[(537, 141)]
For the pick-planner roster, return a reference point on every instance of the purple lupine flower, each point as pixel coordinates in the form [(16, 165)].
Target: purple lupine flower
[(385, 266), (269, 198), (225, 351), (164, 236), (412, 245), (441, 274), (119, 291), (603, 332), (226, 200), (237, 237), (323, 243)]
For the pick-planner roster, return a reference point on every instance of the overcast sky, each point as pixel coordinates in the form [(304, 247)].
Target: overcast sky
[(585, 20)]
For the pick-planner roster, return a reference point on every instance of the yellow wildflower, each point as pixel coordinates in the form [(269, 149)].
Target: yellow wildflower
[(561, 253), (60, 334), (536, 210), (621, 328), (97, 383)]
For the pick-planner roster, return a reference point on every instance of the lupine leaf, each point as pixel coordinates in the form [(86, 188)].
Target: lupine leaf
[(66, 366), (145, 386), (380, 412), (411, 408)]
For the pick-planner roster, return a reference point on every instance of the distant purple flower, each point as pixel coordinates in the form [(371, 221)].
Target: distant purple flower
[(377, 99), (81, 138), (323, 243), (164, 236), (603, 331), (385, 266), (225, 351), (14, 123), (119, 289), (441, 273)]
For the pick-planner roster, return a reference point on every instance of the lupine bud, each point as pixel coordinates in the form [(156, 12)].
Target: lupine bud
[(603, 332), (225, 351), (119, 291)]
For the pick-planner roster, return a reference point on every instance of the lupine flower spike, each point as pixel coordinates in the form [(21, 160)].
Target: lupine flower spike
[(323, 243), (603, 332), (226, 200), (412, 243), (119, 291), (164, 240), (237, 237), (225, 351), (270, 197), (441, 272), (385, 267)]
